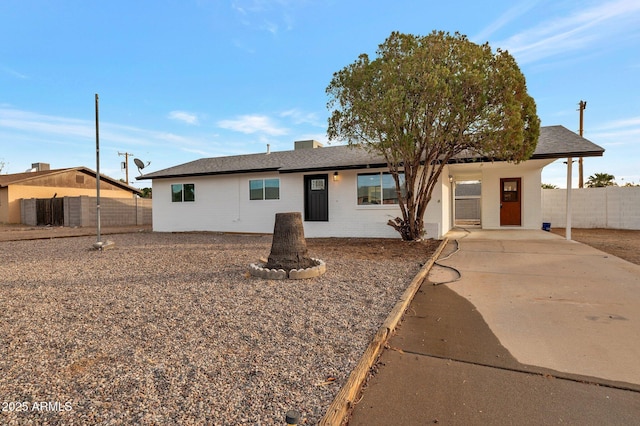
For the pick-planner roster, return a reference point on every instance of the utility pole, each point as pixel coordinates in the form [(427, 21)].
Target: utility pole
[(98, 243), (126, 164), (583, 106)]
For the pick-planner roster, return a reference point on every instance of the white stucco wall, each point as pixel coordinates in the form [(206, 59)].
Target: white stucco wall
[(346, 217), (437, 218), (222, 204), (531, 198), (490, 174)]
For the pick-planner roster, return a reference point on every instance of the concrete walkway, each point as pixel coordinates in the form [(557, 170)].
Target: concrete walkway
[(536, 330)]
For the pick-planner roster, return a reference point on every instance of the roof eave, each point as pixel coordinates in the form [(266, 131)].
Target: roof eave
[(199, 174), (575, 154), (330, 168)]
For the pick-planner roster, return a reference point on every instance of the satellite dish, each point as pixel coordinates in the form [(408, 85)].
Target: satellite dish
[(140, 164)]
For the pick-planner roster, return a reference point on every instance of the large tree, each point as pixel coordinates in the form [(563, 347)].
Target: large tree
[(424, 100)]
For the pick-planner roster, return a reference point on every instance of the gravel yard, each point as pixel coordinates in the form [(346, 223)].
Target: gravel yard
[(170, 329)]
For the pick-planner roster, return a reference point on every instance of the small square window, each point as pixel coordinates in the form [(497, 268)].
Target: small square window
[(189, 192), (176, 193), (317, 184), (272, 189), (256, 189), (183, 192), (264, 189)]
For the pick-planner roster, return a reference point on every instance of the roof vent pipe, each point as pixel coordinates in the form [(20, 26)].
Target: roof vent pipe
[(268, 148)]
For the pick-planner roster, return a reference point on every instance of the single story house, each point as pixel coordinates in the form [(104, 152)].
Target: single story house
[(346, 192), (45, 183)]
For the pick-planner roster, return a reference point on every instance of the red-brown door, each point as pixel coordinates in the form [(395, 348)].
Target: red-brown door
[(510, 202)]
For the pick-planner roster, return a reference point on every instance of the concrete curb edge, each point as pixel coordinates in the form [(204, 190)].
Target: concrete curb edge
[(343, 402)]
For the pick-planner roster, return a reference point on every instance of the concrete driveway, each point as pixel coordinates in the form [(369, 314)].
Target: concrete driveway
[(553, 303), (536, 330)]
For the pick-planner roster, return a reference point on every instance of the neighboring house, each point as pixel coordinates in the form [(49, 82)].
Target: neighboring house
[(346, 192), (44, 183)]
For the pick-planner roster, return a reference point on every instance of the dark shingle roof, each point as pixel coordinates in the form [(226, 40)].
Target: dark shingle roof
[(318, 159), (560, 142), (554, 142)]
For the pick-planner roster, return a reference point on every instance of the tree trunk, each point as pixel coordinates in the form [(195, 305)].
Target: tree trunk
[(289, 248)]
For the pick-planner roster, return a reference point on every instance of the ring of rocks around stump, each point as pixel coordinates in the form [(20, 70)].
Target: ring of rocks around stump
[(261, 271)]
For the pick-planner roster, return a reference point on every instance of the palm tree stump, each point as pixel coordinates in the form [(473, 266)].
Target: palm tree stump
[(289, 248), (289, 257)]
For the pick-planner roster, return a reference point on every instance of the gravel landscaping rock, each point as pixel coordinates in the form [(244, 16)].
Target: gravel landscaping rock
[(171, 329)]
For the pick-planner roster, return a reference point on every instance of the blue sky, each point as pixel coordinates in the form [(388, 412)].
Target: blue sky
[(180, 80)]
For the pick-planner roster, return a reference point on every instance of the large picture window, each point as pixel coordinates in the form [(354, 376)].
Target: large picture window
[(183, 192), (378, 188), (264, 189)]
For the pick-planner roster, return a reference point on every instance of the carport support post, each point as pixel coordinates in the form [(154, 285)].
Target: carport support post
[(568, 221)]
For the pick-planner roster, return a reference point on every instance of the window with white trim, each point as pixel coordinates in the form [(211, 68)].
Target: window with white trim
[(183, 192), (378, 188), (264, 189)]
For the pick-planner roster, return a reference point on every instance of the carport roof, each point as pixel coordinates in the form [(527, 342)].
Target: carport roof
[(560, 142), (553, 142)]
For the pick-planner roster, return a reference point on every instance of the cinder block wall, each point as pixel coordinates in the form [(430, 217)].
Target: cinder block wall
[(82, 211), (115, 211), (28, 211), (611, 207), (72, 215)]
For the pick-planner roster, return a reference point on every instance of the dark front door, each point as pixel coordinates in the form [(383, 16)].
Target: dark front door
[(510, 202), (316, 198)]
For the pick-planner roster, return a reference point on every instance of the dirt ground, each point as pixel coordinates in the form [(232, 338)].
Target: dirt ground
[(622, 243), (374, 248), (358, 248)]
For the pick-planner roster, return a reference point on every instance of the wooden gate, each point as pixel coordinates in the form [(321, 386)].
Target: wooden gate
[(50, 211)]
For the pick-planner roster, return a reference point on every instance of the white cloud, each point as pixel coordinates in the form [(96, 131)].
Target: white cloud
[(516, 11), (270, 27), (14, 73), (580, 30), (624, 132), (249, 124), (267, 15), (39, 123), (299, 117), (41, 128), (184, 116), (627, 122)]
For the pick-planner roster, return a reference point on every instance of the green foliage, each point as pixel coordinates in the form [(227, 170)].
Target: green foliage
[(146, 193), (426, 99), (549, 186), (600, 180)]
